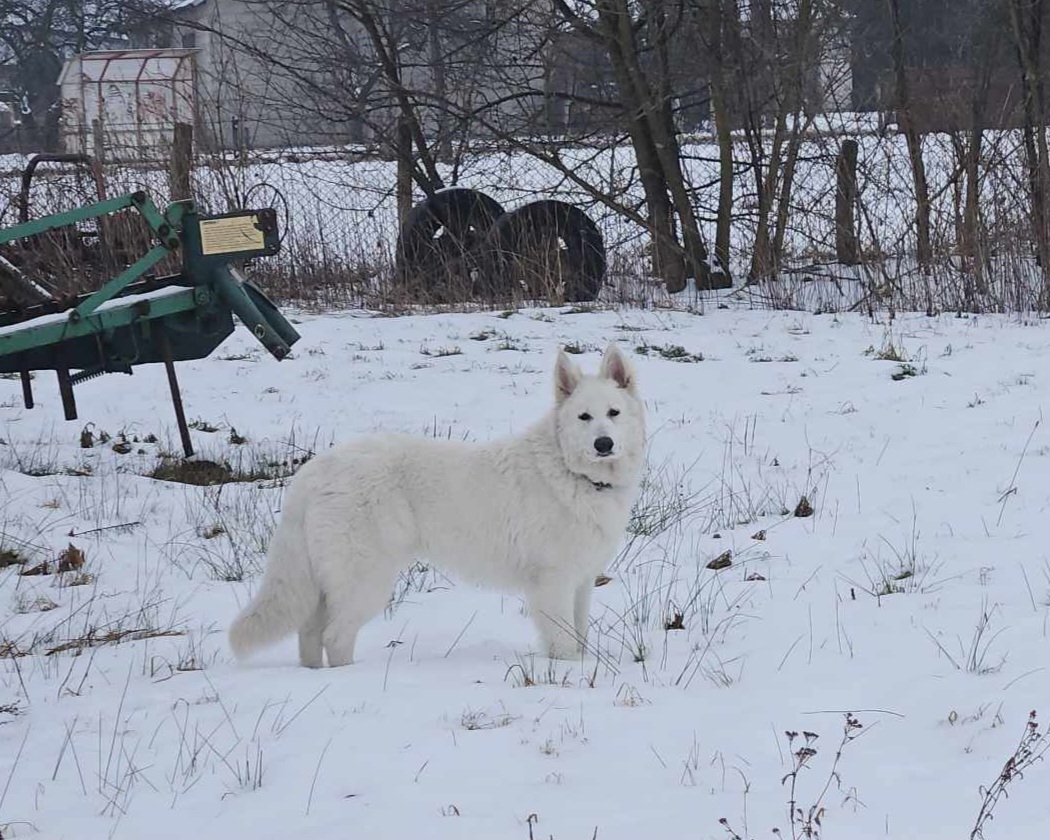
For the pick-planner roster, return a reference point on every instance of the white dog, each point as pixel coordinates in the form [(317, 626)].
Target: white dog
[(540, 513)]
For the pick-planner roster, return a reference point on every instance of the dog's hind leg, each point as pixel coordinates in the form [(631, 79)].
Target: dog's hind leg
[(311, 647), (352, 602), (340, 636)]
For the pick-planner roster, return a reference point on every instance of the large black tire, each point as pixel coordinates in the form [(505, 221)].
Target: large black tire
[(438, 243), (546, 250)]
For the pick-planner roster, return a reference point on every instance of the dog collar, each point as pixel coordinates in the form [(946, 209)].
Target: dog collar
[(601, 485)]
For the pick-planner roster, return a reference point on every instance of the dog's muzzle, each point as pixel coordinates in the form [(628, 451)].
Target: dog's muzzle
[(603, 445)]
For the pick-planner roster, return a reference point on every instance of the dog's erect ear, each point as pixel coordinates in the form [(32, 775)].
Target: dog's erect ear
[(566, 376), (616, 367)]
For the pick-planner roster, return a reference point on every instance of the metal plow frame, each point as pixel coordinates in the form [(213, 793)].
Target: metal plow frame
[(130, 321)]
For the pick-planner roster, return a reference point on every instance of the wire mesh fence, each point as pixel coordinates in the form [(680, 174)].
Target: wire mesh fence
[(338, 214)]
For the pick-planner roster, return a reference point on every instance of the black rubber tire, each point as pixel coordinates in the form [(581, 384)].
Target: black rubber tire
[(438, 244), (547, 250)]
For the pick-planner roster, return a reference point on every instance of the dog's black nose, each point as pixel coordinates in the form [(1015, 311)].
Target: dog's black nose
[(604, 445)]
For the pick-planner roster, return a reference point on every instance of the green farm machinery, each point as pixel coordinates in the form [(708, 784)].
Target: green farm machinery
[(137, 316)]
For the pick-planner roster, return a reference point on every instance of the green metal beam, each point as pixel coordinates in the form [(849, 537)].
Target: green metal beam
[(165, 226), (114, 287), (233, 295), (28, 335), (60, 220), (217, 288), (173, 214)]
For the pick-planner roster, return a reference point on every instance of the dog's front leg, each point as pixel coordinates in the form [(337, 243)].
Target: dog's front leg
[(581, 611), (552, 604)]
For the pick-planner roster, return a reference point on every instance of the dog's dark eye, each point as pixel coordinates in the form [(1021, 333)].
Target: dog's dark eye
[(585, 416), (614, 412)]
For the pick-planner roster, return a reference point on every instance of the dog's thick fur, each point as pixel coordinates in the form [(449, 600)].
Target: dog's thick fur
[(540, 513)]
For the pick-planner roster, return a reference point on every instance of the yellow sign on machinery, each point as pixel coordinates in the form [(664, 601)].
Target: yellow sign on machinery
[(231, 234)]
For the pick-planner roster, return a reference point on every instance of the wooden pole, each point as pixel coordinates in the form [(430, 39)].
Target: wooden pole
[(404, 169), (98, 142), (181, 162), (847, 250)]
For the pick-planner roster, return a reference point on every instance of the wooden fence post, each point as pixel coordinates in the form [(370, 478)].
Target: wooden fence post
[(98, 142), (181, 162), (847, 251)]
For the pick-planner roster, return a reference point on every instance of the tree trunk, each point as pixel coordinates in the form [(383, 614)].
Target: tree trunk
[(924, 250), (787, 182), (972, 242), (795, 96), (666, 138), (436, 60), (757, 82), (646, 101), (986, 41), (1028, 36), (386, 48), (723, 122), (618, 36), (668, 260), (726, 177), (763, 264), (404, 169)]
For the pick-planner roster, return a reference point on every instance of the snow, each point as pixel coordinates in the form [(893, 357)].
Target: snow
[(432, 732)]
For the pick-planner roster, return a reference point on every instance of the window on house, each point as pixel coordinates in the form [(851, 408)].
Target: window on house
[(189, 40)]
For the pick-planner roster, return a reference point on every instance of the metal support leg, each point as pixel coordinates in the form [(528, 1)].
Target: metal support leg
[(65, 386), (164, 345), (27, 388)]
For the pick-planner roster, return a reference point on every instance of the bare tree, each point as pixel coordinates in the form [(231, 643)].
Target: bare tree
[(1026, 20), (774, 63), (719, 29), (38, 35), (637, 38), (924, 249), (420, 74), (402, 75), (984, 53)]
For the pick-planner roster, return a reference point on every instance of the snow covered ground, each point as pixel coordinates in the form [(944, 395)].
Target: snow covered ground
[(916, 595)]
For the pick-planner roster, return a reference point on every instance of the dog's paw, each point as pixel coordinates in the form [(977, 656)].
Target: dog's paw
[(564, 650)]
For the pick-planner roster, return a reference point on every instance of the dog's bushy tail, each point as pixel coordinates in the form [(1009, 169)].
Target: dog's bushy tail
[(285, 600)]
